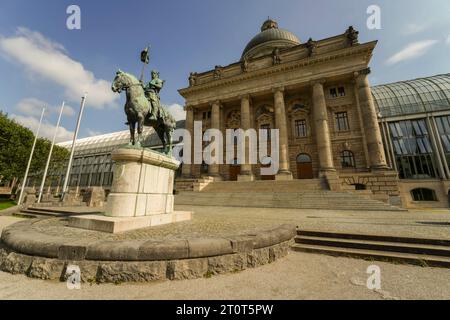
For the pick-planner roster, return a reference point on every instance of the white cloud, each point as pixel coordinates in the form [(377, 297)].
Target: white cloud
[(448, 39), (30, 106), (33, 107), (67, 111), (49, 60), (411, 51), (47, 130), (413, 28), (177, 111)]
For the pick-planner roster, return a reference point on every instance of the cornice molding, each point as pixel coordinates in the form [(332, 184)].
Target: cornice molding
[(366, 48)]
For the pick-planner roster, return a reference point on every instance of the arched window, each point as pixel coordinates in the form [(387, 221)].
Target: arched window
[(303, 158), (423, 194), (348, 159)]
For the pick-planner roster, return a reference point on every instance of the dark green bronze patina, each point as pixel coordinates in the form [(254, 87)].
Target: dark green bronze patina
[(143, 107)]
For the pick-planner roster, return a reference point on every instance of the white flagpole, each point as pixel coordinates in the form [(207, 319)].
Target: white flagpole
[(24, 182), (41, 189), (69, 166)]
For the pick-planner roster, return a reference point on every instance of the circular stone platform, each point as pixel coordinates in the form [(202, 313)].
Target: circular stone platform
[(44, 249)]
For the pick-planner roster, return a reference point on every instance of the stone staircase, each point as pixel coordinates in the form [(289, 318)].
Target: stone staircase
[(295, 194), (187, 185), (260, 186), (49, 212), (289, 200), (419, 251)]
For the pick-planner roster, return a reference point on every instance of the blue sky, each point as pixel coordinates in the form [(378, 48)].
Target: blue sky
[(42, 62)]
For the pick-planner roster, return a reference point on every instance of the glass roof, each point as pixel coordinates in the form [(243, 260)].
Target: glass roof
[(414, 96), (105, 143)]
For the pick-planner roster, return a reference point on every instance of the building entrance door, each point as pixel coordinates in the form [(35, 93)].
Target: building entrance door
[(304, 167), (235, 170)]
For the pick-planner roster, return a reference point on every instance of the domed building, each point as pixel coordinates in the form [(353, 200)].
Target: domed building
[(333, 130), (315, 93)]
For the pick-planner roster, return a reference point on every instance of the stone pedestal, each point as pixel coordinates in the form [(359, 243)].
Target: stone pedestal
[(94, 197), (29, 196), (142, 188)]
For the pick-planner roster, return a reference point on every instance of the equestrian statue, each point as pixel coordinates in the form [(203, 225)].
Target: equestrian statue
[(143, 107)]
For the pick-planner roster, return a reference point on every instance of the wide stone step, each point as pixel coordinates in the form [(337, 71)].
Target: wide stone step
[(263, 186), (310, 200), (370, 237), (376, 245), (417, 259), (31, 213), (36, 212)]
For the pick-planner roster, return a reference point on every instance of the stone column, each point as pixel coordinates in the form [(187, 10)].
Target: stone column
[(246, 167), (320, 118), (280, 122), (213, 169), (377, 158), (187, 168)]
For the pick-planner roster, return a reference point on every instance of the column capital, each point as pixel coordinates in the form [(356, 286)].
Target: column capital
[(278, 89), (363, 72), (320, 81), (245, 96), (188, 108), (216, 102)]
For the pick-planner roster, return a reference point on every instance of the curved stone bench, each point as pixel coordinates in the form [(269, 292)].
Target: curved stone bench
[(43, 256)]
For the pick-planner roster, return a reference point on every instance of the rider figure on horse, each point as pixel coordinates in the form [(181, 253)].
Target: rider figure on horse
[(152, 94)]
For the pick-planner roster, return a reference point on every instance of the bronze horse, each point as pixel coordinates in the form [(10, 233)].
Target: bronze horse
[(137, 109)]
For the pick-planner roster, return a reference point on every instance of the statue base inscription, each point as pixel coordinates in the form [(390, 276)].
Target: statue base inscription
[(141, 195)]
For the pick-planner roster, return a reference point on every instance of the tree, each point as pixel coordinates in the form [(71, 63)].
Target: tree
[(15, 146)]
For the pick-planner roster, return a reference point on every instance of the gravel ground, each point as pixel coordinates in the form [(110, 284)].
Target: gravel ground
[(298, 276)]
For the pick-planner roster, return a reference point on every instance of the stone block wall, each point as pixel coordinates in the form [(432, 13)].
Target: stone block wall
[(383, 184)]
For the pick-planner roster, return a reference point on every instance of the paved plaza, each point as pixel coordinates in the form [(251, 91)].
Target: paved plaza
[(297, 276)]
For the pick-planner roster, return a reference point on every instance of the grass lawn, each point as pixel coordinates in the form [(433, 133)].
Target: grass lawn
[(6, 203)]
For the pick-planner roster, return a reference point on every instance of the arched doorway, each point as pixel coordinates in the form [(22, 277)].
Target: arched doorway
[(235, 170), (304, 166)]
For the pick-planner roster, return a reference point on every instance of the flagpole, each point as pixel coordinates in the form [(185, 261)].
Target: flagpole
[(24, 182), (142, 72), (144, 61), (66, 180), (41, 189)]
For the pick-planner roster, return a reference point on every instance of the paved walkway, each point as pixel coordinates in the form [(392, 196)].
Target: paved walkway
[(414, 223), (298, 276), (225, 221)]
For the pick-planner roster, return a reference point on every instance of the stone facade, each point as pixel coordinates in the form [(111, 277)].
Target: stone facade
[(317, 94)]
